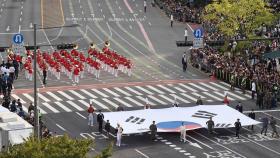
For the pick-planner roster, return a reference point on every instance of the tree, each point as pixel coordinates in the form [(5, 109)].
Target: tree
[(54, 147), (231, 16)]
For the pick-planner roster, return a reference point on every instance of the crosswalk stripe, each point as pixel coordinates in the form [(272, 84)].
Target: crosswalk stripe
[(167, 89), (223, 95), (132, 90), (24, 109), (166, 98), (54, 96), (226, 84), (43, 97), (17, 97), (88, 93), (157, 100), (99, 104), (236, 96), (220, 86), (246, 95), (208, 86), (77, 94), (41, 110), (155, 89), (144, 90), (86, 104), (180, 89), (47, 105), (144, 100), (28, 97), (63, 106), (199, 95), (179, 98), (201, 88), (122, 91), (75, 105), (188, 96), (111, 92), (134, 101), (65, 95), (100, 93), (187, 87), (110, 102), (212, 96), (121, 101)]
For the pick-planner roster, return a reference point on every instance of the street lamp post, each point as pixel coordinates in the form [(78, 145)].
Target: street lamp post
[(37, 131)]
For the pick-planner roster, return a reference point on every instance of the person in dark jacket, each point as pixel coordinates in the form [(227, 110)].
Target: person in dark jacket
[(264, 121), (237, 125), (21, 113), (13, 107), (239, 107), (252, 115), (153, 128), (107, 127), (100, 118)]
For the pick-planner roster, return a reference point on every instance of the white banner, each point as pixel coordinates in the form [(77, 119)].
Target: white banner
[(170, 119)]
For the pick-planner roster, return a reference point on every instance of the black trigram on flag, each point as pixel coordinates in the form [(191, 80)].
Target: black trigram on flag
[(203, 114), (222, 125), (136, 120)]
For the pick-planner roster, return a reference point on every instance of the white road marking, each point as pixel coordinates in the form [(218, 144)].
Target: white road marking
[(81, 115), (43, 97), (180, 89), (100, 93), (88, 93), (150, 23), (208, 86), (195, 85), (17, 97), (63, 106), (157, 100), (47, 105), (122, 102), (167, 89), (77, 94), (199, 95), (8, 28), (134, 101), (54, 96), (166, 98), (179, 98), (75, 105), (220, 86), (212, 96), (208, 146), (28, 97), (134, 91), (223, 95), (111, 92), (142, 153), (144, 100), (84, 103), (155, 89), (98, 103), (189, 97), (236, 96), (60, 127), (122, 91), (65, 95), (144, 90), (130, 27), (110, 102)]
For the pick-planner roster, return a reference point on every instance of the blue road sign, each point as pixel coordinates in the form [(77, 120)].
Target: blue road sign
[(198, 33), (18, 38)]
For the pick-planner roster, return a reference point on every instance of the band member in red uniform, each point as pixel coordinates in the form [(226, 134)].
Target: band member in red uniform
[(76, 74)]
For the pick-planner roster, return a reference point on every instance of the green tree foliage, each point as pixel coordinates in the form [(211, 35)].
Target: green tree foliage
[(231, 16), (54, 147)]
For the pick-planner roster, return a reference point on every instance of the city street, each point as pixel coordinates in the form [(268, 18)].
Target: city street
[(157, 76)]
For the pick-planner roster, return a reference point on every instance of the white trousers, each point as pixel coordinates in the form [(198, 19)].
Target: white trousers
[(90, 119), (119, 139)]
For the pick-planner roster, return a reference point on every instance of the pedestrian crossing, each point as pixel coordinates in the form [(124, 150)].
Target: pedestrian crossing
[(130, 96)]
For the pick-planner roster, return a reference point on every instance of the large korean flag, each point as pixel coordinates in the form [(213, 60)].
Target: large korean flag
[(170, 119)]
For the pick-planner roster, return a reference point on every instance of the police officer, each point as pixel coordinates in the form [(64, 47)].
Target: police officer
[(171, 20), (232, 81), (210, 124), (237, 125), (100, 118), (273, 126), (264, 121), (252, 115), (243, 84), (186, 35), (184, 62), (44, 76), (153, 128)]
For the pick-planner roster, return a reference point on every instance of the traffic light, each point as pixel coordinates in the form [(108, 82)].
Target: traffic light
[(184, 44), (31, 47), (215, 43), (3, 49), (66, 46)]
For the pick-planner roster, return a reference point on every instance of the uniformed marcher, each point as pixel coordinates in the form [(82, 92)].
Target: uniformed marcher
[(239, 107), (100, 118), (44, 76), (210, 124), (186, 35), (107, 128), (199, 101), (232, 81), (153, 128), (264, 121), (237, 125), (184, 62), (243, 84), (183, 133), (273, 126), (171, 20), (252, 115)]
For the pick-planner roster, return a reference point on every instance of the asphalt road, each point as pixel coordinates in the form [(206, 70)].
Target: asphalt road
[(148, 40)]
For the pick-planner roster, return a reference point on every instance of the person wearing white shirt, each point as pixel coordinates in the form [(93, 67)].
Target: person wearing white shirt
[(119, 135), (145, 6), (12, 71), (183, 133), (171, 20), (186, 35), (253, 89)]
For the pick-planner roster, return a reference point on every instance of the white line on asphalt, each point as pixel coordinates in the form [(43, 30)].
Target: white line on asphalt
[(166, 98), (199, 142), (271, 115), (199, 95), (180, 89), (88, 93), (208, 86), (81, 115), (134, 101), (212, 96), (167, 89), (190, 97), (84, 103), (100, 93), (130, 27), (60, 127), (17, 97), (19, 28), (47, 105), (142, 153), (134, 91), (77, 94), (144, 100), (65, 95), (122, 91), (110, 102), (179, 98), (155, 89), (99, 104), (75, 105), (63, 106), (195, 85), (28, 97), (20, 12), (122, 102), (43, 97), (54, 96), (236, 96), (157, 100), (111, 92), (223, 95), (144, 90), (150, 24), (220, 86), (8, 28)]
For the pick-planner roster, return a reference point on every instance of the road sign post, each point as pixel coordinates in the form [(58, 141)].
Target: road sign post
[(18, 38), (198, 40)]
